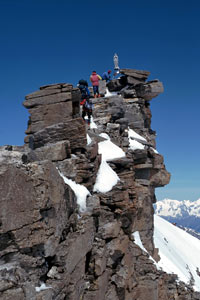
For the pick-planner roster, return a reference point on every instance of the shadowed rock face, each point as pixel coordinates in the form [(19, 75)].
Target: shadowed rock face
[(54, 114), (51, 250)]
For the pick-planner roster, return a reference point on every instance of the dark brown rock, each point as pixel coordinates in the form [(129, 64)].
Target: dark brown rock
[(116, 85), (71, 251), (149, 90), (134, 81), (74, 131), (159, 177), (57, 86), (110, 230), (54, 152), (142, 75), (43, 92), (130, 93), (48, 115), (47, 99)]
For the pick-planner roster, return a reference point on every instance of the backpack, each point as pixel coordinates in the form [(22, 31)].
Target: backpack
[(88, 104), (83, 91), (83, 82)]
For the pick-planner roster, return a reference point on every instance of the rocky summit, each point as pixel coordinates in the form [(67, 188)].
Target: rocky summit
[(53, 246)]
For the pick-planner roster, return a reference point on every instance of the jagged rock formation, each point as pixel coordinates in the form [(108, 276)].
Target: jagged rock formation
[(49, 249)]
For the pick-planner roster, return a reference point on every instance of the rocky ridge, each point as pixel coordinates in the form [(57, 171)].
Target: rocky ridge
[(49, 248)]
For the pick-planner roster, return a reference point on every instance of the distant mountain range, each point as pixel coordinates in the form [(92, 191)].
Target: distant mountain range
[(184, 213), (190, 231)]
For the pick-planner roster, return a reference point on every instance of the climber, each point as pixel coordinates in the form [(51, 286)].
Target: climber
[(83, 87), (94, 78), (106, 76), (85, 103), (87, 110)]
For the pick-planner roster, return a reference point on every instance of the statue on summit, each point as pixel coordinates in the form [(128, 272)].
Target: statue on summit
[(116, 63)]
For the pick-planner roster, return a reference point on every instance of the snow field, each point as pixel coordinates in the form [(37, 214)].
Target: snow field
[(178, 250)]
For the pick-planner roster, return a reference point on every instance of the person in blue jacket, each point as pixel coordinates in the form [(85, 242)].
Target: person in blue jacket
[(106, 76), (83, 87), (85, 103)]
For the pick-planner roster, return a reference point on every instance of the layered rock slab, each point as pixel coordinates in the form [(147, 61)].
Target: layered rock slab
[(51, 105)]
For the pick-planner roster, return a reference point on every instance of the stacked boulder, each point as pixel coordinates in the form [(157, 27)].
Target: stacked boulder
[(132, 84), (54, 116)]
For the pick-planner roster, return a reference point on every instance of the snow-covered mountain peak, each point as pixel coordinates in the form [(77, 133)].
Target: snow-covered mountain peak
[(177, 209)]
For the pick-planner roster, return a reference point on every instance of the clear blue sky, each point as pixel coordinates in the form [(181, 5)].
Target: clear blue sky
[(49, 41)]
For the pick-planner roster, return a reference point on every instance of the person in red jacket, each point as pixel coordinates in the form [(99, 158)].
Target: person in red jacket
[(94, 78)]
